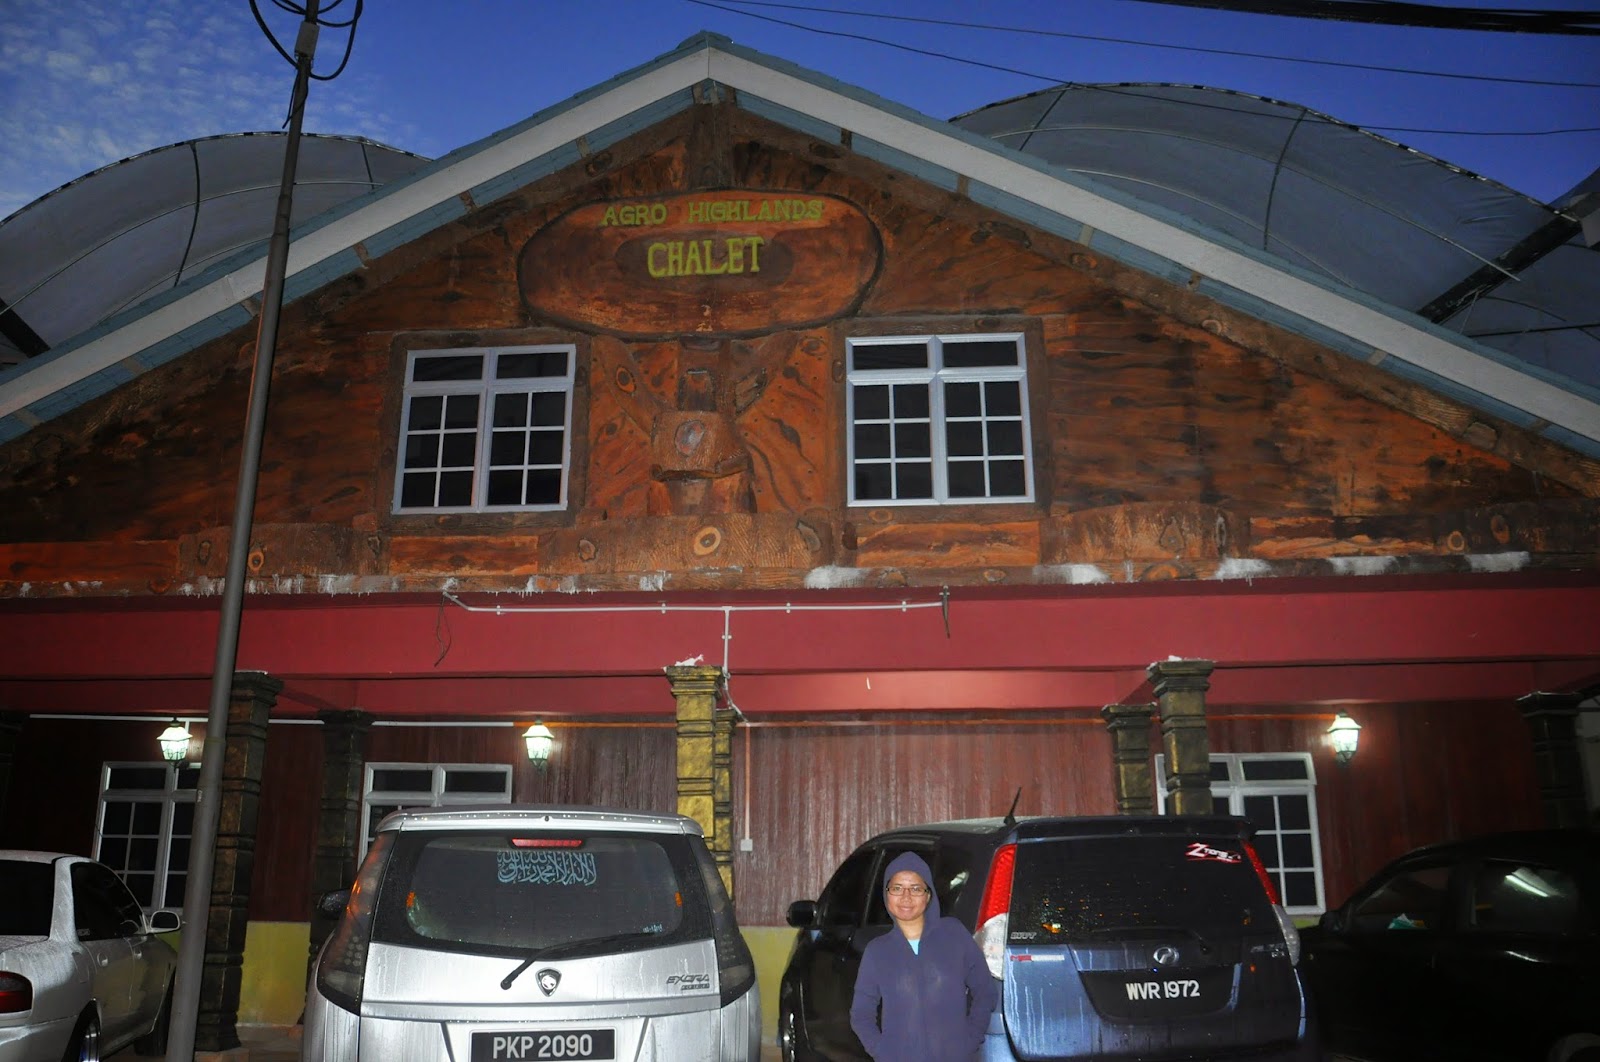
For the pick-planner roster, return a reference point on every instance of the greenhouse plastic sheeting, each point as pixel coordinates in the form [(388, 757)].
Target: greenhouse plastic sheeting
[(1328, 197), (109, 240)]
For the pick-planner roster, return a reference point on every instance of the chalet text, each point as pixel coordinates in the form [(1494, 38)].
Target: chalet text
[(714, 257)]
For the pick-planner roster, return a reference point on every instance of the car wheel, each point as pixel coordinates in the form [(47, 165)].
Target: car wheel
[(789, 1035), (85, 1043), (154, 1042)]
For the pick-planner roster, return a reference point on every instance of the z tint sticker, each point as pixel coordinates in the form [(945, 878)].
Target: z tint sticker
[(1200, 850)]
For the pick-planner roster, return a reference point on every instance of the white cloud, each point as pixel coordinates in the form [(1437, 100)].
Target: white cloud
[(83, 85)]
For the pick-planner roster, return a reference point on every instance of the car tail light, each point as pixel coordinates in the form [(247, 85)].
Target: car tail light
[(1291, 935), (341, 971), (994, 914), (1261, 872), (736, 968), (16, 993)]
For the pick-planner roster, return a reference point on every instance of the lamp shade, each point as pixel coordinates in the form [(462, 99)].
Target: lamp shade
[(1345, 734), (174, 742), (539, 741)]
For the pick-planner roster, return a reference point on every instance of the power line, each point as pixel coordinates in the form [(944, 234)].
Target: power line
[(1025, 31), (318, 19), (1396, 13), (1052, 80)]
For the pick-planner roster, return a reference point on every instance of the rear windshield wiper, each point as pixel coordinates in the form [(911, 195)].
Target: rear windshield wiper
[(1189, 931), (569, 948)]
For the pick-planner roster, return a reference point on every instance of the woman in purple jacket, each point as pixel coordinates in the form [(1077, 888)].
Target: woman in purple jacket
[(928, 975)]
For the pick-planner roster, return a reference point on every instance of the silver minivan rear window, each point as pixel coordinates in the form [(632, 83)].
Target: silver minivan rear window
[(508, 893), (1094, 888)]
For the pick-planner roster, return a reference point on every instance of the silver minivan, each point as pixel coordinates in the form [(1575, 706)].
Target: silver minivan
[(533, 933)]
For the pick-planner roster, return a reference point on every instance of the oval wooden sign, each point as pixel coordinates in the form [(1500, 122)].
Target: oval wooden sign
[(734, 263)]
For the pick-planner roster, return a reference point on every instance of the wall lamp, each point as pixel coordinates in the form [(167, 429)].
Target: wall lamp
[(540, 741), (1344, 734), (174, 742)]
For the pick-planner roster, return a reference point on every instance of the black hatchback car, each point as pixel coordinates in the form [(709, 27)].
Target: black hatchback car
[(1126, 937), (1476, 949)]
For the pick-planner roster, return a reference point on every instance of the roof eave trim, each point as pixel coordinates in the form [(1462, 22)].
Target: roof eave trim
[(956, 150), (887, 123)]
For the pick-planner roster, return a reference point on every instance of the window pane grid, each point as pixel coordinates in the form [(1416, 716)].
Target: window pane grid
[(142, 834), (941, 434), (486, 432), (427, 786)]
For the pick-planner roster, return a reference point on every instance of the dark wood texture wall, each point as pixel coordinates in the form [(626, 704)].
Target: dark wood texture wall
[(1169, 431), (1422, 773), (816, 789)]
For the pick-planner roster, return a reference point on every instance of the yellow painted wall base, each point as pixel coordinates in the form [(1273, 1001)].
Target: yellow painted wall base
[(272, 987), (769, 946), (272, 990)]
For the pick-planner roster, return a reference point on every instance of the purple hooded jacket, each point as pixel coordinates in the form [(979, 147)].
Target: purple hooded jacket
[(936, 1001)]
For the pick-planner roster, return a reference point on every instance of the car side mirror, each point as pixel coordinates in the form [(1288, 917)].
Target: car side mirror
[(333, 903), (165, 921), (1332, 921), (802, 914)]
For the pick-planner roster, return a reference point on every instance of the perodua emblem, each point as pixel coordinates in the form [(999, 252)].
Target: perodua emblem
[(1164, 956), (549, 979)]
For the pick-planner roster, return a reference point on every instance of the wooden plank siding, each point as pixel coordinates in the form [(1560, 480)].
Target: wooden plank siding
[(1422, 773), (1142, 393), (817, 788)]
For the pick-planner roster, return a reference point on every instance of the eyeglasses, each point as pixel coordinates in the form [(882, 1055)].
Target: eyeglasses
[(908, 890)]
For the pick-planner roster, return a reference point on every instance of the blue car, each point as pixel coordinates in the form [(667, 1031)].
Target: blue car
[(1128, 937)]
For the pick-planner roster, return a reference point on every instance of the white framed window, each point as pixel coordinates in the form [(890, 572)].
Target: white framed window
[(486, 430), (143, 826), (392, 786), (940, 419), (1277, 792)]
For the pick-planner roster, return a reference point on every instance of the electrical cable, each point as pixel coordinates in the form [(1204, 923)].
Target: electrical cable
[(1049, 79), (322, 22), (1401, 13), (1025, 31)]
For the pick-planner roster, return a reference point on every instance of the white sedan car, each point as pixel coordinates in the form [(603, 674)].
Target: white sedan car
[(82, 973)]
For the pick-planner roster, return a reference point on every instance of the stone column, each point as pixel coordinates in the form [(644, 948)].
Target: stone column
[(1180, 688), (722, 793), (250, 702), (694, 687), (10, 726), (333, 859), (1129, 725), (1557, 759)]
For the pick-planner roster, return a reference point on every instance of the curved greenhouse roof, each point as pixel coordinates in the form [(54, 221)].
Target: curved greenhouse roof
[(1330, 198), (131, 230)]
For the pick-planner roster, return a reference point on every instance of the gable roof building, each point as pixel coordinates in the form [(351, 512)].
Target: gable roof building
[(913, 442)]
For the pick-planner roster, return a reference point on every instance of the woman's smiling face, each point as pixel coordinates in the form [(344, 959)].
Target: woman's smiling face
[(907, 896)]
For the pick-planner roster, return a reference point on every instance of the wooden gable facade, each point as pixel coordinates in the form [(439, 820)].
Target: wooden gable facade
[(1194, 480)]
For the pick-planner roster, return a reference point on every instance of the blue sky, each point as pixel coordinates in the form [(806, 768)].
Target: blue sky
[(86, 83)]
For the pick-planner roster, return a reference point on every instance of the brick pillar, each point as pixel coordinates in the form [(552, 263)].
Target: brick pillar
[(1557, 759), (10, 726), (338, 839), (694, 687), (1129, 725), (250, 701), (1180, 688)]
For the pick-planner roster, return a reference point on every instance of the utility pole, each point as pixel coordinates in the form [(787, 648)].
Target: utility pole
[(197, 888)]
